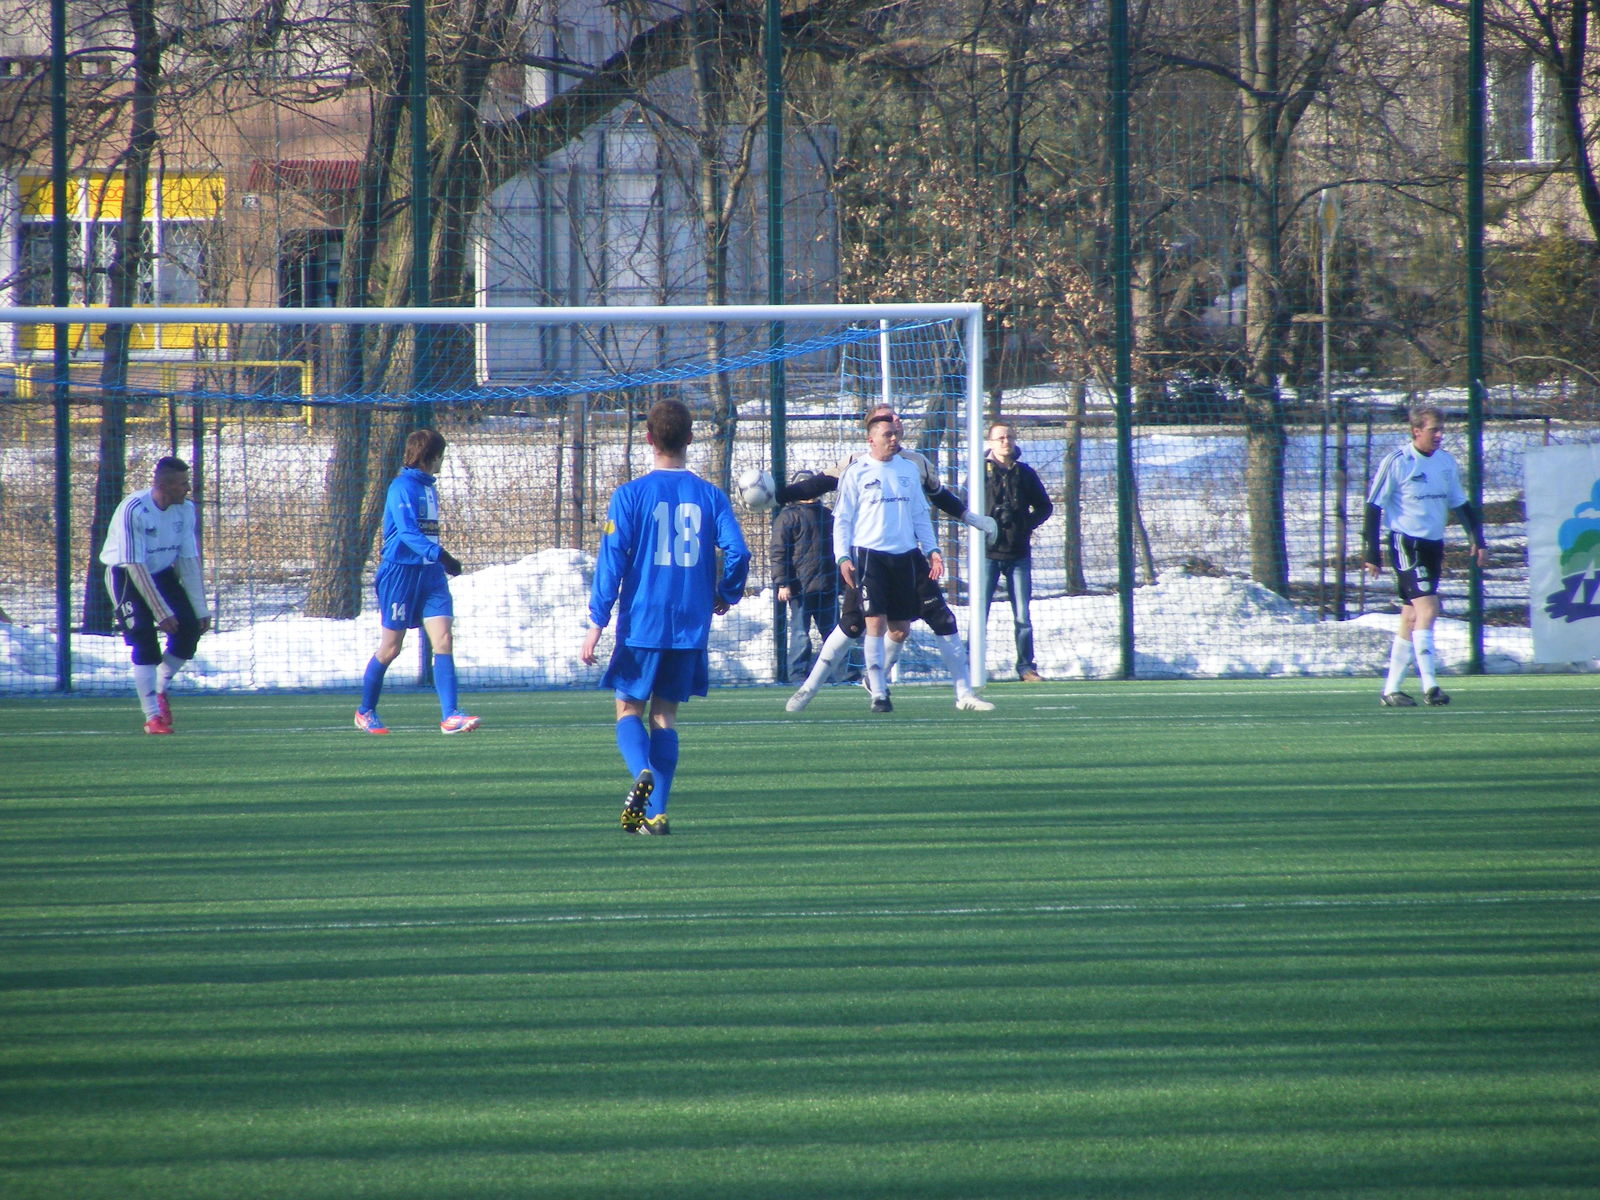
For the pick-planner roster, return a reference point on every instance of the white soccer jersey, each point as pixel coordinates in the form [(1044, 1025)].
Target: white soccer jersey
[(924, 465), (145, 536), (1416, 491), (882, 506)]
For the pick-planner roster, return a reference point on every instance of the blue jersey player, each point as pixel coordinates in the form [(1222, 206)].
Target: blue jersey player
[(411, 585), (658, 568)]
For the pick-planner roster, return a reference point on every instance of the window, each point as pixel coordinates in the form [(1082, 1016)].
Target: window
[(180, 211), (309, 267), (180, 214), (1523, 104)]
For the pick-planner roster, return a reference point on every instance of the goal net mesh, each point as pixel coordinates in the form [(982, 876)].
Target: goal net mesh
[(293, 433)]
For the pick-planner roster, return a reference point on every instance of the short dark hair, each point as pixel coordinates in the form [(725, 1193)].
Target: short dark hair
[(669, 426), (168, 463), (423, 446), (880, 419)]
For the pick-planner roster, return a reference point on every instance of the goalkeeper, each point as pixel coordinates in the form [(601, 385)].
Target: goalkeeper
[(934, 609), (411, 585)]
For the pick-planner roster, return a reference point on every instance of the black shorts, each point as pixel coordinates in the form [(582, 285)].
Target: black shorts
[(1418, 563), (935, 610), (137, 623), (888, 583)]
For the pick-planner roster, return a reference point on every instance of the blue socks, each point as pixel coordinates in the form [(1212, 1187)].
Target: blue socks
[(372, 684), (664, 762), (444, 682), (634, 743), (656, 749)]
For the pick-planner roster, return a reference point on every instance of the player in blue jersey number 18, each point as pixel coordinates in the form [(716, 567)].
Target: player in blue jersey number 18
[(657, 567)]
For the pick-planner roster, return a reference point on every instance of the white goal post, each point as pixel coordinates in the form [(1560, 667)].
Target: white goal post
[(499, 339)]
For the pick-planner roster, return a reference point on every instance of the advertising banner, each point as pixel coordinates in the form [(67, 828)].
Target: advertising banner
[(1563, 496)]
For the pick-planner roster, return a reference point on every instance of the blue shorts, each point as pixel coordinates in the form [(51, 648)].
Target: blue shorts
[(409, 593), (636, 673)]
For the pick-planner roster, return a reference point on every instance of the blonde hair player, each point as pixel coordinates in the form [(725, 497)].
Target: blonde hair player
[(1415, 489)]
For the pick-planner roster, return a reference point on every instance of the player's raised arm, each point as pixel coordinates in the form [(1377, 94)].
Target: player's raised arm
[(813, 488)]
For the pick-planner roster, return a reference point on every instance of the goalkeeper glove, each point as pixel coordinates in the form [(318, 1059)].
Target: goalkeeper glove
[(449, 562), (983, 521)]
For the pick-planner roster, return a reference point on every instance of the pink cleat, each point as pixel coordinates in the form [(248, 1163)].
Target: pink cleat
[(370, 722), (458, 722)]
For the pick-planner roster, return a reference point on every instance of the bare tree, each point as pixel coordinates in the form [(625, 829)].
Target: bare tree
[(149, 38), (1553, 37), (469, 157), (1281, 59)]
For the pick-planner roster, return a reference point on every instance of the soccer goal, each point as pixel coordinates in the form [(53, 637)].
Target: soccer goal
[(293, 421)]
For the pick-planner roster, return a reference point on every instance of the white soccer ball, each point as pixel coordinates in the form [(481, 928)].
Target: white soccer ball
[(758, 489)]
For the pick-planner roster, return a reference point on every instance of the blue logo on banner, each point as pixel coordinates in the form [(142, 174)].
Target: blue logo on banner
[(1579, 539), (1576, 599)]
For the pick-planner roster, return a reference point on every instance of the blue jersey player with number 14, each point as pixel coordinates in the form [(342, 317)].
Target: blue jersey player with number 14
[(412, 588), (657, 566)]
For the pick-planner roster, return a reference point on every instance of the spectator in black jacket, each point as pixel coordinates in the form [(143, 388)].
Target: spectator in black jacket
[(1019, 504), (805, 575)]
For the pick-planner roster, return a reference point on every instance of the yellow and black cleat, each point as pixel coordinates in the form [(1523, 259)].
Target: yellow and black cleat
[(655, 826), (633, 806)]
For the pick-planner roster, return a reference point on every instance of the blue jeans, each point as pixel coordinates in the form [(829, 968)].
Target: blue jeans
[(1018, 574), (816, 610)]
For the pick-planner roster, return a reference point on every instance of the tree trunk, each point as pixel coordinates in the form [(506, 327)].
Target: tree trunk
[(713, 198), (1573, 68), (1072, 491), (1260, 114), (129, 257), (339, 557)]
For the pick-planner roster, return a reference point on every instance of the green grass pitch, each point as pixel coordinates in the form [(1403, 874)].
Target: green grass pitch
[(1147, 940)]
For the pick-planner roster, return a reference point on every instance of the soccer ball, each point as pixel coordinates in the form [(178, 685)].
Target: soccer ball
[(758, 489)]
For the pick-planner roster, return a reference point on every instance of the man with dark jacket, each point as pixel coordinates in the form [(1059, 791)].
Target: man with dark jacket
[(804, 574), (1019, 504)]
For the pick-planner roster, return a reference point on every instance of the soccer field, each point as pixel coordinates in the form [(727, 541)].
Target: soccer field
[(1220, 939)]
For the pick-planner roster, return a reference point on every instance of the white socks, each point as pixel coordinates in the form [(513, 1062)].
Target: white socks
[(877, 683), (1422, 646), (144, 682), (954, 652), (1401, 652), (1399, 660), (891, 657), (834, 648)]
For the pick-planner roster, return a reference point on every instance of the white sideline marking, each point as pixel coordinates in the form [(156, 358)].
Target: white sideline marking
[(794, 914)]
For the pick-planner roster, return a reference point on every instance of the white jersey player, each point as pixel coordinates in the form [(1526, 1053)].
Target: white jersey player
[(1413, 493), (935, 610), (157, 586)]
